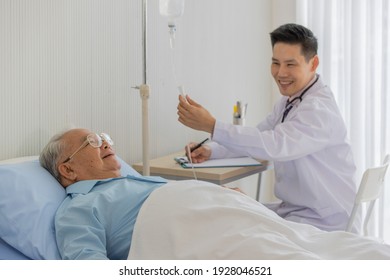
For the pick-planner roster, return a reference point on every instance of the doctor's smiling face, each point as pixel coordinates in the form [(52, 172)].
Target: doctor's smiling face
[(291, 70), (87, 156)]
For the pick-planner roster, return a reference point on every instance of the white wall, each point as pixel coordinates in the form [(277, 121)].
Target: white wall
[(68, 62), (73, 62), (283, 11)]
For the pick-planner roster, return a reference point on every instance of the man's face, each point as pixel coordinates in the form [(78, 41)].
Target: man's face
[(290, 69), (89, 163)]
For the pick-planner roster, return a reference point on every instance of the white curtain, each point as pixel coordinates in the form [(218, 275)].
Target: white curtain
[(354, 51)]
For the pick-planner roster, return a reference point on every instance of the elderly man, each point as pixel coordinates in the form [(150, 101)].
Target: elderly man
[(97, 218)]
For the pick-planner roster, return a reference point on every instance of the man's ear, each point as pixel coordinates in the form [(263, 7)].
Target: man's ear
[(315, 63), (67, 173)]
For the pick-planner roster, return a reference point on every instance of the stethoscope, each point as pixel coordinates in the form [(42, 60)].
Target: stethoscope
[(290, 104)]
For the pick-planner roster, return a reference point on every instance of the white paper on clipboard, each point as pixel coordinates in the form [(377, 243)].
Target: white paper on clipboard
[(219, 163)]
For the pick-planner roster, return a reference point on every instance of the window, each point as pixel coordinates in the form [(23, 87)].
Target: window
[(354, 51)]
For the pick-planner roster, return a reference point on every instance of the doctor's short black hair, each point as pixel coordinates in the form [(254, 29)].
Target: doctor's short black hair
[(292, 33)]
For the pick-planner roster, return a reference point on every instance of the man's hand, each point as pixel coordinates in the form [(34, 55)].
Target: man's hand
[(199, 155), (193, 115)]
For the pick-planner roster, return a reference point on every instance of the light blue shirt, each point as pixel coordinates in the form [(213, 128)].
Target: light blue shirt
[(96, 220)]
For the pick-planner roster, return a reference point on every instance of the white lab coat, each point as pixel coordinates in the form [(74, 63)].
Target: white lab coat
[(313, 162)]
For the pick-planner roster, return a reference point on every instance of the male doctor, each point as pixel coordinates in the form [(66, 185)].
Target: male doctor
[(305, 137)]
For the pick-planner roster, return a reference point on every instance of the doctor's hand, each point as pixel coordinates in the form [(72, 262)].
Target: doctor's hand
[(199, 155), (193, 115)]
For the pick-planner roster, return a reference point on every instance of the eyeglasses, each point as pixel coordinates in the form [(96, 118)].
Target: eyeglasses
[(95, 141)]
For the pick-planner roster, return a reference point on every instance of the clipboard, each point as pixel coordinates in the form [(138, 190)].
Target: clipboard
[(218, 163)]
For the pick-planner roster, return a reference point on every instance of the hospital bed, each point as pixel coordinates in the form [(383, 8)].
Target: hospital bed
[(182, 220)]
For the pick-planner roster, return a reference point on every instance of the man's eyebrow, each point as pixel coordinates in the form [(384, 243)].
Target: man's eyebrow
[(292, 60), (84, 138)]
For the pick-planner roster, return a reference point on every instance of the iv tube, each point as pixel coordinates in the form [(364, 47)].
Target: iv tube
[(173, 64), (172, 9)]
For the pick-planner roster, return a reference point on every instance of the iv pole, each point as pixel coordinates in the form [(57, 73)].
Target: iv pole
[(144, 93)]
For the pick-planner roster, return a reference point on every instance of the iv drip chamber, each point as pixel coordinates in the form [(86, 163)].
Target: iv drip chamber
[(171, 9)]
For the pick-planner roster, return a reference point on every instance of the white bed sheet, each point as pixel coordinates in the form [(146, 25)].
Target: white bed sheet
[(199, 220)]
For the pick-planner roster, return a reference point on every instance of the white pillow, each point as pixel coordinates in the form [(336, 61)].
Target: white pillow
[(29, 198)]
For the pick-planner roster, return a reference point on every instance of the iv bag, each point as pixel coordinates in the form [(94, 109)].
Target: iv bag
[(171, 9)]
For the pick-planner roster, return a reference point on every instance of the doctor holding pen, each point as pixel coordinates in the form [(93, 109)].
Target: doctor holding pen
[(305, 136)]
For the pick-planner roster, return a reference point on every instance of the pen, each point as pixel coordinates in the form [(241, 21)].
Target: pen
[(198, 146)]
